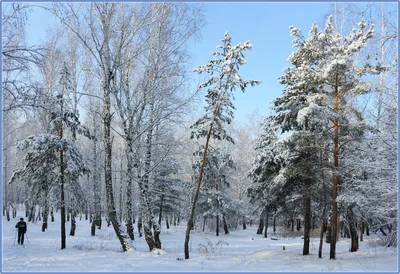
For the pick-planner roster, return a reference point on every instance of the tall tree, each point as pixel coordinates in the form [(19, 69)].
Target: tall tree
[(330, 72), (93, 25), (53, 158), (219, 109)]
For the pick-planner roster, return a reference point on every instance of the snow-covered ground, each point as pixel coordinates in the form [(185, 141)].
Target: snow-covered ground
[(241, 250)]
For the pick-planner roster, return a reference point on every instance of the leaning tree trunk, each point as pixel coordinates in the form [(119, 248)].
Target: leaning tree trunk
[(196, 195)]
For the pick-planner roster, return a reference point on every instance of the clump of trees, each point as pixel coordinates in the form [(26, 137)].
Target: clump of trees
[(326, 132)]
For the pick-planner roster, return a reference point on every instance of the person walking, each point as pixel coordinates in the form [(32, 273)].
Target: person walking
[(22, 228)]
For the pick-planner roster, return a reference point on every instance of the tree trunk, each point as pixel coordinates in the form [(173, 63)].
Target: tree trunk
[(96, 183), (274, 223), (244, 222), (6, 208), (225, 225), (161, 208), (93, 228), (129, 191), (196, 195), (120, 198), (298, 224), (31, 212), (324, 221), (217, 226), (261, 224), (148, 236), (321, 235), (8, 214), (361, 230), (335, 175), (204, 223), (167, 221), (383, 231), (73, 223), (266, 224), (353, 229), (152, 237), (63, 235), (329, 234), (307, 224), (62, 198), (45, 215), (106, 13), (139, 225), (52, 214)]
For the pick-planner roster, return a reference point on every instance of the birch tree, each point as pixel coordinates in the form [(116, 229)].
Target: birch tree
[(94, 26)]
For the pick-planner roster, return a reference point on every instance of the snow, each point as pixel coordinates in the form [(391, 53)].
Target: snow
[(241, 250)]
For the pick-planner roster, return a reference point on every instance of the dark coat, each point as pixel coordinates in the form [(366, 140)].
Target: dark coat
[(21, 225)]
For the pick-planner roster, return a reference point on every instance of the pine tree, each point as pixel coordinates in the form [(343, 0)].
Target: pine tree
[(224, 80), (51, 160), (324, 78)]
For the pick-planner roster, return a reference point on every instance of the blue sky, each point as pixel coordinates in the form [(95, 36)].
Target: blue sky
[(265, 24)]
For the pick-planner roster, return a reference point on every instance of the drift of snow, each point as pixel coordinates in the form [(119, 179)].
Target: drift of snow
[(241, 250)]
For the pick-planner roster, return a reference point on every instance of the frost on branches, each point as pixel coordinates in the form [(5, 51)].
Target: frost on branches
[(225, 79), (42, 164)]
